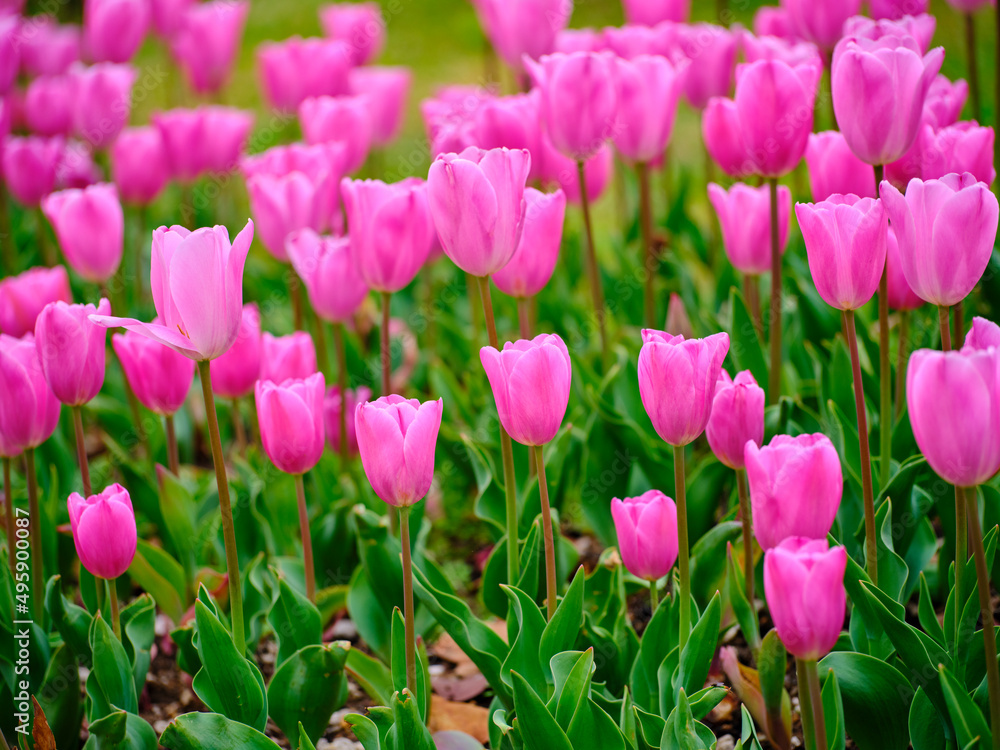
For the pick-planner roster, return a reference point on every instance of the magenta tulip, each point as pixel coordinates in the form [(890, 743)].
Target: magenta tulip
[(531, 267), (206, 42), (89, 225), (336, 289), (946, 230), (834, 169), (652, 12), (512, 122), (845, 242), (287, 357), (23, 297), (776, 21), (226, 131), (970, 6), (944, 102), (677, 381), (647, 533), (920, 27), (295, 69), (30, 165), (396, 439), (205, 139), (711, 51), (953, 400), (160, 377), (10, 50), (792, 52), (281, 205), (579, 40), (648, 89), (48, 48), (104, 531), (530, 381), (235, 372), (523, 28), (168, 15), (896, 9), (959, 148), (139, 165), (390, 229), (477, 203), (899, 294), (347, 119), (745, 217), (821, 22), (804, 588), (103, 96), (71, 350), (360, 25), (795, 487), (630, 41), (76, 167), (737, 417), (386, 89), (291, 421), (48, 105), (113, 30), (720, 131), (983, 334), (29, 411), (332, 405)]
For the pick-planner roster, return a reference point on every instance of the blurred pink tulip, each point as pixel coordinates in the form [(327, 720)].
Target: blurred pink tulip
[(48, 48), (281, 205), (959, 148), (677, 381), (721, 133), (896, 9), (336, 289), (29, 411), (969, 6), (332, 404), (396, 439), (821, 21), (10, 50), (834, 169), (30, 165), (291, 421), (737, 418), (347, 119), (235, 372), (678, 323), (360, 25), (711, 51), (648, 90), (287, 357), (745, 217), (512, 122), (104, 531), (386, 89), (103, 100), (206, 42), (652, 12), (647, 533), (773, 20), (113, 30), (630, 41), (23, 297), (899, 294), (796, 484), (295, 69), (792, 52), (71, 350), (226, 131), (168, 15), (920, 27), (944, 102), (139, 164), (531, 267), (206, 139), (982, 334), (90, 226), (160, 377), (523, 28), (560, 170), (578, 40), (49, 104)]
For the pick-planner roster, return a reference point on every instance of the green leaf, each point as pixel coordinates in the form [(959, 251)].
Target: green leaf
[(648, 730), (968, 720), (72, 622), (696, 658), (408, 731), (162, 576), (495, 572), (927, 728), (659, 638), (892, 570), (307, 688), (833, 713), (365, 730), (927, 615), (59, 696), (112, 671), (736, 595), (703, 701), (545, 733), (304, 742), (177, 509), (746, 349), (366, 612), (295, 621), (523, 655), (138, 623), (371, 674), (772, 663), (207, 731), (682, 732), (562, 630), (122, 731)]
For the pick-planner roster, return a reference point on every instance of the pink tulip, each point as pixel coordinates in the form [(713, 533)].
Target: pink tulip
[(332, 404), (76, 167), (970, 6), (113, 30), (821, 22), (804, 588), (48, 105), (336, 289), (678, 323), (737, 418), (648, 89), (523, 28), (530, 381), (879, 88), (512, 122), (205, 139), (90, 226), (206, 42), (339, 118), (531, 267), (647, 533), (712, 54), (46, 47), (721, 133), (630, 41), (360, 25), (104, 531), (897, 9), (677, 380), (390, 230), (983, 334), (900, 295), (946, 230), (197, 284), (71, 350), (235, 372), (477, 203), (226, 132), (295, 69), (834, 169), (845, 242), (944, 102), (795, 487), (160, 377), (386, 89), (793, 52), (652, 12), (953, 400), (963, 147), (29, 167), (29, 411), (920, 28), (562, 171), (168, 15), (578, 100), (291, 421), (10, 50), (287, 357), (776, 21), (745, 217), (103, 101), (579, 40), (449, 117), (139, 165), (281, 205), (396, 439), (23, 297)]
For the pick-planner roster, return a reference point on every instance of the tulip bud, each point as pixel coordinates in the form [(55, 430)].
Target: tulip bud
[(29, 167), (139, 164), (235, 372), (530, 269), (23, 297), (523, 28), (284, 357), (29, 411), (207, 40), (205, 139), (90, 227), (821, 22), (737, 418), (678, 323), (647, 533), (711, 51), (103, 101), (652, 12), (291, 421), (104, 531), (958, 148), (944, 102), (282, 205), (745, 217), (168, 15), (386, 90), (48, 105), (113, 30), (835, 170), (71, 350), (160, 377), (648, 89), (983, 334), (332, 404), (50, 48), (324, 264), (513, 122), (900, 296), (295, 69), (347, 119), (359, 25)]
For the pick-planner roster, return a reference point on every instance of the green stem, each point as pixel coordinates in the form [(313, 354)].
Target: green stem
[(945, 328), (654, 596), (524, 317), (385, 352), (225, 508), (321, 351), (35, 517), (411, 640), (307, 548), (884, 367), (173, 456), (805, 706), (682, 546), (340, 346), (596, 290), (989, 628), (774, 385), (741, 488), (506, 447), (550, 545), (649, 252), (8, 505), (970, 48), (254, 424), (475, 305), (961, 550), (239, 430), (902, 358), (81, 450), (116, 620), (816, 698)]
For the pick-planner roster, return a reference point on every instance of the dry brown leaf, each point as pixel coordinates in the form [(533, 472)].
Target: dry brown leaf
[(40, 731), (464, 717)]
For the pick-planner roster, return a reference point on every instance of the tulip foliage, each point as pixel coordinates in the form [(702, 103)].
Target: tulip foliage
[(474, 430)]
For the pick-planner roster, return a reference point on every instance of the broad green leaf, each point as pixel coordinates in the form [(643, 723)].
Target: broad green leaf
[(523, 655), (138, 623), (72, 622), (545, 733), (926, 614), (572, 671), (365, 730), (208, 731), (59, 696), (304, 742), (927, 728), (696, 658), (495, 572), (969, 722), (562, 630), (162, 576), (295, 621), (746, 350), (833, 712), (307, 688), (408, 731), (112, 671), (648, 730), (122, 731), (366, 612), (371, 674), (177, 509), (736, 595)]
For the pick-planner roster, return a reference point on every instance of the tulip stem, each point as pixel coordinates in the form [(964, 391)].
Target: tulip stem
[(884, 368), (338, 344), (254, 424), (958, 323), (682, 545), (45, 249), (173, 458), (741, 488), (307, 547), (321, 352), (81, 450), (411, 640), (593, 269), (970, 48), (472, 289), (385, 353), (506, 447), (989, 627), (8, 504), (806, 714), (649, 252), (654, 596), (816, 698), (774, 386), (116, 620), (871, 550), (239, 430), (35, 518), (902, 358), (225, 507), (961, 551), (550, 545), (296, 298), (945, 328), (524, 317), (751, 290)]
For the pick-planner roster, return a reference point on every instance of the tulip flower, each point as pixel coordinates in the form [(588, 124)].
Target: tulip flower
[(386, 90), (796, 485), (944, 102), (287, 357), (560, 170), (347, 119), (282, 205), (521, 29), (235, 372), (983, 334), (48, 105), (23, 297), (579, 40), (10, 50), (629, 41), (776, 21), (103, 100), (959, 148), (113, 30), (677, 380), (335, 287), (834, 169), (821, 22), (139, 165), (90, 226), (647, 535), (652, 12), (29, 167), (338, 417), (513, 122), (76, 167), (48, 48), (896, 9), (711, 51), (206, 42), (295, 69), (168, 15), (360, 25), (921, 27), (205, 139)]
